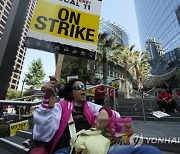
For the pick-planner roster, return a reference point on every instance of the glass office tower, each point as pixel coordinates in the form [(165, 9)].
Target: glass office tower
[(158, 19), (115, 31), (159, 29), (121, 36)]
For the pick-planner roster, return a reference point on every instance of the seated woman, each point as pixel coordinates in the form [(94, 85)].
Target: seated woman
[(51, 123)]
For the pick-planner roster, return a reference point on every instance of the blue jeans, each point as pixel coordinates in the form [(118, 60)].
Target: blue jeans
[(128, 149), (64, 150), (121, 149)]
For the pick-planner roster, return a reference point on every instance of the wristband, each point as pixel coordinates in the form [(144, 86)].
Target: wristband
[(108, 110)]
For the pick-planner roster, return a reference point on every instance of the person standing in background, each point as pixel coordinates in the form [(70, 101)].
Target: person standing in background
[(111, 95), (178, 93), (99, 93)]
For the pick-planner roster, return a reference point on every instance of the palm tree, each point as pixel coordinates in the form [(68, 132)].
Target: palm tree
[(140, 66), (122, 56), (105, 46)]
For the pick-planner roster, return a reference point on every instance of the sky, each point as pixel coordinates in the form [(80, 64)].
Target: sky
[(120, 12)]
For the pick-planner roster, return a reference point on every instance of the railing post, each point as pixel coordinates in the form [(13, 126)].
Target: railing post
[(142, 101), (114, 100), (19, 112), (151, 104)]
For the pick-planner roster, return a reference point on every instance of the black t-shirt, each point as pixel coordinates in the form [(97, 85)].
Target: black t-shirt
[(81, 122)]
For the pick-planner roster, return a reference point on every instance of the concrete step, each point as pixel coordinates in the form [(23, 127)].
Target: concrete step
[(167, 119), (14, 144), (5, 151), (134, 114), (24, 134), (137, 105), (130, 109)]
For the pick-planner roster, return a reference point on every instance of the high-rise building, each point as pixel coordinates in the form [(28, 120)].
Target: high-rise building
[(114, 72), (119, 33), (158, 19), (5, 7), (121, 36), (159, 29)]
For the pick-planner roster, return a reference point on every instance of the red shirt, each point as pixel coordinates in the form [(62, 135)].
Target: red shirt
[(165, 96), (110, 92), (100, 94), (178, 93)]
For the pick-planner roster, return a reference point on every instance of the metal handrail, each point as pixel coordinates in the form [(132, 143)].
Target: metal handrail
[(142, 97), (20, 103), (31, 96), (153, 89)]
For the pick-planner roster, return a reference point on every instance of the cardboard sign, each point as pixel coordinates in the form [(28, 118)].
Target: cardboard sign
[(160, 114), (68, 27), (115, 84), (22, 125), (90, 92)]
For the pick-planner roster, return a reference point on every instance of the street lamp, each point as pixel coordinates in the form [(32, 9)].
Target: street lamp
[(23, 81)]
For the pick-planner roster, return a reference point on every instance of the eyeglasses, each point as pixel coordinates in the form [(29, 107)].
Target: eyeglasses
[(79, 87)]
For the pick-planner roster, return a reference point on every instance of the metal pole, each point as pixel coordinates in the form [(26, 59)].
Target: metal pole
[(114, 100), (151, 104), (142, 101), (19, 112), (22, 88)]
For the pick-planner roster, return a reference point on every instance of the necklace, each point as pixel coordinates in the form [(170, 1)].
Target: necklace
[(78, 110)]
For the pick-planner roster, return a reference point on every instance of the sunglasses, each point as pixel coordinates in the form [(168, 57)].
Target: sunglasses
[(79, 87)]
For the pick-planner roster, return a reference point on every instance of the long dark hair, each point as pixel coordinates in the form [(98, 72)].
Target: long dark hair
[(66, 92)]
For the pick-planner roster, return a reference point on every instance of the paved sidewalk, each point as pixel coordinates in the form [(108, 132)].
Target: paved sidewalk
[(157, 128)]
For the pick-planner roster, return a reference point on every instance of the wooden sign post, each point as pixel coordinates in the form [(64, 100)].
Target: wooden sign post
[(57, 75)]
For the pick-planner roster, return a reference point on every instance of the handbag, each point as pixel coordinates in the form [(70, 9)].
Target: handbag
[(88, 141), (119, 131)]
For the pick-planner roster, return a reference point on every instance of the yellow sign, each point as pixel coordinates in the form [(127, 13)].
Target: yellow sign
[(67, 22), (115, 84), (22, 125), (90, 92)]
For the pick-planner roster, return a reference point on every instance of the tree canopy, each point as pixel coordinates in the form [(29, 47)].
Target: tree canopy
[(12, 94), (76, 68), (35, 76)]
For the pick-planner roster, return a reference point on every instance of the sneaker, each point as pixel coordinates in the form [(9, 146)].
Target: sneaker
[(175, 110)]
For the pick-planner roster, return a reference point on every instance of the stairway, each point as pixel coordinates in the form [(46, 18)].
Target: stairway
[(133, 108), (14, 144), (153, 126)]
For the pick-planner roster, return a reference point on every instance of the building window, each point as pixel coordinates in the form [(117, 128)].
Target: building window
[(14, 81), (2, 23), (12, 87)]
